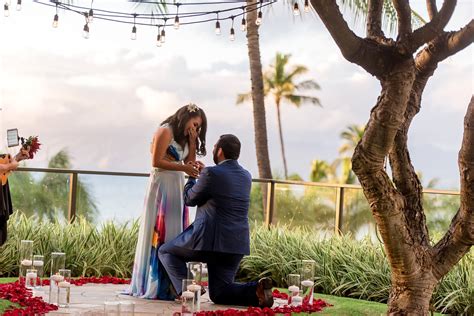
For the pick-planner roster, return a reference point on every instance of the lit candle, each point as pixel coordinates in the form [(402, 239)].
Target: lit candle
[(194, 287), (307, 283), (26, 262), (38, 263), (64, 284), (57, 277), (294, 289), (187, 294), (296, 300), (31, 275)]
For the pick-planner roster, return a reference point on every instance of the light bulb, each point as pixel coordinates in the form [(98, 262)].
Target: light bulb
[(258, 21), (306, 6), (218, 28), (56, 21), (296, 9), (158, 40), (90, 18), (163, 36), (18, 5), (232, 34), (85, 34), (176, 23), (134, 33), (243, 25), (6, 9)]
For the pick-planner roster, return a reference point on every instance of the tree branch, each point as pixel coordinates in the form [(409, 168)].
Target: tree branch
[(404, 18), (460, 236), (365, 53), (430, 30), (443, 46), (432, 9), (374, 19)]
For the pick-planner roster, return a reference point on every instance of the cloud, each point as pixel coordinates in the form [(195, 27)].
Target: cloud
[(157, 104)]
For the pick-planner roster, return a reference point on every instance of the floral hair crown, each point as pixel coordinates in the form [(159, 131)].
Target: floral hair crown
[(192, 107)]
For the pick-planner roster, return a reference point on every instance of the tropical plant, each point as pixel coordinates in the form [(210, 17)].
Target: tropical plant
[(279, 83)]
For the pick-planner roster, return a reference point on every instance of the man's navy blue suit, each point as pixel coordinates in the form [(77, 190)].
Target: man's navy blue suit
[(219, 235)]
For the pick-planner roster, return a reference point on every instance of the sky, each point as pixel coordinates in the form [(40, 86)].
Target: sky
[(104, 97)]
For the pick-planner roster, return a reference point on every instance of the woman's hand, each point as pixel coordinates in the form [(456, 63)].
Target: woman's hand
[(23, 154), (200, 165), (191, 169), (193, 135)]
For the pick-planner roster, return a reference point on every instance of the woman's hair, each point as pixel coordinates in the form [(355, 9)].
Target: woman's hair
[(178, 122)]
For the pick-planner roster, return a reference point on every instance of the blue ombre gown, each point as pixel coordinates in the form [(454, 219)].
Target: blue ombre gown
[(164, 217)]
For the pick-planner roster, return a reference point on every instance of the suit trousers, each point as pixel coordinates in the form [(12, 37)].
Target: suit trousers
[(221, 267)]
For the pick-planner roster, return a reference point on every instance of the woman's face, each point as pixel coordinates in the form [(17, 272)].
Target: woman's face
[(193, 123)]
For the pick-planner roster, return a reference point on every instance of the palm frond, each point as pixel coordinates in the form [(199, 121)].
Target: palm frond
[(243, 97), (308, 85), (298, 100)]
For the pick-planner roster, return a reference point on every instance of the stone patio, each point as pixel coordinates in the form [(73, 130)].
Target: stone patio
[(89, 300)]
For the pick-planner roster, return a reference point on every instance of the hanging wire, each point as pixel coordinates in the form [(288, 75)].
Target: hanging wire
[(189, 18)]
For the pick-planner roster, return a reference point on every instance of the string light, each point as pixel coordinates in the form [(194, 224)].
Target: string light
[(176, 18), (296, 9), (243, 24), (134, 28), (218, 25), (306, 6), (258, 21), (18, 5), (158, 38), (180, 18), (85, 32), (163, 33), (6, 8), (232, 31)]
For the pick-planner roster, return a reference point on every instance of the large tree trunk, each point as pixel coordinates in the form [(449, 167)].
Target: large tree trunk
[(258, 98), (282, 144), (396, 204)]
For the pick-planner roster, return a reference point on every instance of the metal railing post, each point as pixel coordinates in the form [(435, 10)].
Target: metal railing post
[(339, 210), (72, 197), (270, 203)]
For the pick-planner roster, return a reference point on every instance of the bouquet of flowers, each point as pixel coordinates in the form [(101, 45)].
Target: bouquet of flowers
[(33, 143)]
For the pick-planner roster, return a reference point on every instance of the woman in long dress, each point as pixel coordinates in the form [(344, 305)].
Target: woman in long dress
[(176, 143)]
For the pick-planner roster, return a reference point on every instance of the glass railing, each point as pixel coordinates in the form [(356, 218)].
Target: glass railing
[(327, 209)]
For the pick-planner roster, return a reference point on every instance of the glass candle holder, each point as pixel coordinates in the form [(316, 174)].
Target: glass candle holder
[(195, 273), (127, 308), (64, 288), (187, 299), (26, 258), (30, 279), (38, 264), (58, 261), (204, 276), (307, 279), (111, 308), (294, 282)]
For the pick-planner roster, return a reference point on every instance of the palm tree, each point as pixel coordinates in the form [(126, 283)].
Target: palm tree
[(279, 82), (352, 136)]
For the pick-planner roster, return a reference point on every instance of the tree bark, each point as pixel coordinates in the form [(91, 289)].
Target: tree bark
[(258, 98)]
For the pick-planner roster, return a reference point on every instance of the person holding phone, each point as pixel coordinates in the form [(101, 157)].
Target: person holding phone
[(176, 144)]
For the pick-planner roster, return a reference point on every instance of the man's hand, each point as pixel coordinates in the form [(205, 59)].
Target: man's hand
[(200, 165)]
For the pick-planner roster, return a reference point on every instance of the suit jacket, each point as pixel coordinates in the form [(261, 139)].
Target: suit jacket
[(222, 195)]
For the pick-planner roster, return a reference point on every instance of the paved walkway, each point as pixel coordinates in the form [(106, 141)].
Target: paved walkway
[(89, 300)]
